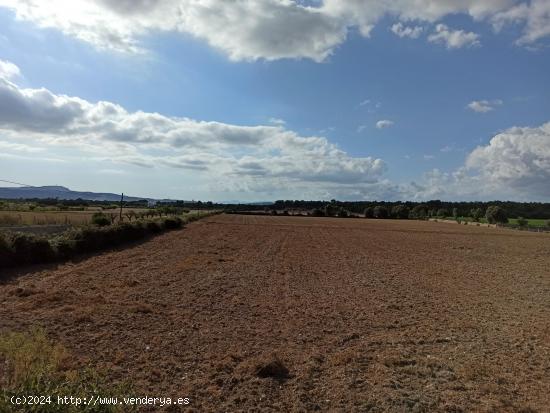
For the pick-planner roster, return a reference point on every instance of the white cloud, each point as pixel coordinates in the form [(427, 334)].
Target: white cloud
[(453, 39), (243, 30), (518, 159), (535, 15), (361, 128), (8, 70), (270, 29), (277, 121), (381, 124), (484, 106), (514, 165), (407, 31), (232, 154)]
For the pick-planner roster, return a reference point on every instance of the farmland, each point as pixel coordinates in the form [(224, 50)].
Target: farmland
[(366, 315)]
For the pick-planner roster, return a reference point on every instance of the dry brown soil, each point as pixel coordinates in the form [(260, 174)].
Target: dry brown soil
[(366, 315)]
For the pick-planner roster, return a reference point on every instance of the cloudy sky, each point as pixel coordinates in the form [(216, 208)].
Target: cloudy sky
[(278, 99)]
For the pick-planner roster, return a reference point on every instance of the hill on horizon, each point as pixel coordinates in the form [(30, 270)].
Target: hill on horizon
[(61, 192)]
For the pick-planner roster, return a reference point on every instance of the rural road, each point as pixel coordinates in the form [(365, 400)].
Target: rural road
[(367, 315)]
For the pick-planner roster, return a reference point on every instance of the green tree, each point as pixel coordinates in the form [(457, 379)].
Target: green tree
[(442, 212), (400, 211), (496, 215), (419, 212), (369, 212), (476, 214), (380, 211)]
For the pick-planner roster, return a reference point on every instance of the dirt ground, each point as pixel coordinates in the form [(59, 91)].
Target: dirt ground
[(366, 315)]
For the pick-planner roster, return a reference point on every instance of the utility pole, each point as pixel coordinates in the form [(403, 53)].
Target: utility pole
[(120, 215)]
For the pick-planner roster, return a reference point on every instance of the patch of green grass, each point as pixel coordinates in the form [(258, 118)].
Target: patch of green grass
[(530, 222), (34, 366)]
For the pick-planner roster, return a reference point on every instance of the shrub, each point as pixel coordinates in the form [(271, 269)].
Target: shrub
[(29, 249), (400, 211), (86, 239), (548, 223), (6, 253), (100, 219), (369, 212), (380, 212), (153, 227), (522, 222), (496, 215), (172, 223)]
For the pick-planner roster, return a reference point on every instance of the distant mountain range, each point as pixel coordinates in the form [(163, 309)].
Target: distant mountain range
[(61, 192)]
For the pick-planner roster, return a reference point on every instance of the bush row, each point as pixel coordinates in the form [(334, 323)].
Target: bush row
[(21, 249)]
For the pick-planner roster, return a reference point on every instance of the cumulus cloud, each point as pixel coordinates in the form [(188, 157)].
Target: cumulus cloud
[(271, 29), (484, 106), (407, 31), (385, 123), (107, 131), (8, 70), (453, 39), (518, 158), (514, 165)]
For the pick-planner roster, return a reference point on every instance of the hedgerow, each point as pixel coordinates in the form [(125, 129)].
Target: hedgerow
[(22, 249)]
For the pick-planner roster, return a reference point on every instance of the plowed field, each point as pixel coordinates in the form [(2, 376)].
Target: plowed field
[(366, 315)]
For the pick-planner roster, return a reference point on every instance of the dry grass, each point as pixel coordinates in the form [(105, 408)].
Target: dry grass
[(34, 365)]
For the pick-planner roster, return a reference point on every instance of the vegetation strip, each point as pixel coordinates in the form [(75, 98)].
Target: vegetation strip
[(22, 249)]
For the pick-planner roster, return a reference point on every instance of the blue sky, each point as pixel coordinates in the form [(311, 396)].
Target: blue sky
[(337, 104)]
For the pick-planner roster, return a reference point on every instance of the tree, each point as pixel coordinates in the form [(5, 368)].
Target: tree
[(419, 212), (476, 214), (317, 212), (442, 212), (343, 213), (400, 211), (496, 215), (331, 209), (455, 213), (380, 212), (369, 212)]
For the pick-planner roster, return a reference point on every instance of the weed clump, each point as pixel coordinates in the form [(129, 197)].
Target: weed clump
[(34, 365)]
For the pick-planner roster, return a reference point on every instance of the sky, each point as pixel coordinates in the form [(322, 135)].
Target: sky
[(255, 100)]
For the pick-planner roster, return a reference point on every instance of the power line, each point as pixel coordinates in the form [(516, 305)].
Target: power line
[(16, 183)]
